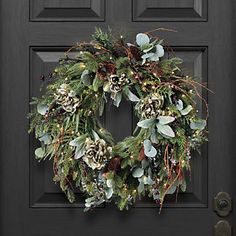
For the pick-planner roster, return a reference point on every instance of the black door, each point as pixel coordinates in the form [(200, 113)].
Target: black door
[(34, 34)]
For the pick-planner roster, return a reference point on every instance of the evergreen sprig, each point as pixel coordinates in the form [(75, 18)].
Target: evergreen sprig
[(66, 121)]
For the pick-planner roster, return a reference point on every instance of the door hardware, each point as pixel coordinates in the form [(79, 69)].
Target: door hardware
[(222, 204), (222, 228)]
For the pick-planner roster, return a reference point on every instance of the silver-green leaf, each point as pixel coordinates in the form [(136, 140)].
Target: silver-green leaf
[(163, 120), (86, 77), (46, 139), (165, 130), (146, 123), (117, 99), (199, 124), (142, 39), (149, 150), (171, 190), (148, 180), (180, 105), (153, 137), (138, 172), (42, 109), (109, 193), (140, 187), (132, 97), (40, 152), (186, 110), (79, 152)]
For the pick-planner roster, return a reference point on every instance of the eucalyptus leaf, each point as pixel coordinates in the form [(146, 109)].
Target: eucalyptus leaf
[(142, 39), (183, 186), (159, 50), (154, 57), (79, 141), (110, 183), (140, 187), (42, 109), (46, 139), (199, 124), (149, 150), (163, 120), (109, 193), (138, 172), (146, 123), (166, 130), (40, 152), (132, 97), (185, 111), (149, 171), (117, 99), (148, 55), (153, 136), (74, 142), (148, 180), (145, 163), (79, 152), (95, 135), (86, 77), (180, 105), (171, 190)]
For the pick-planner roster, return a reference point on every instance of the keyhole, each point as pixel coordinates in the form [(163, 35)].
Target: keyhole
[(222, 203)]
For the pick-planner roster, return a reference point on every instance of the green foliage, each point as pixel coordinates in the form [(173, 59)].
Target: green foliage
[(66, 120), (104, 38)]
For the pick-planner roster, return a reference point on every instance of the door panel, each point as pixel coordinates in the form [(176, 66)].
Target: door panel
[(170, 10), (34, 34), (44, 193), (70, 10)]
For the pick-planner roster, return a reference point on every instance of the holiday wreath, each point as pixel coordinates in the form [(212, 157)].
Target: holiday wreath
[(153, 162)]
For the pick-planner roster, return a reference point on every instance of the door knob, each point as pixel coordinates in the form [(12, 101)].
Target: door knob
[(223, 204), (222, 228)]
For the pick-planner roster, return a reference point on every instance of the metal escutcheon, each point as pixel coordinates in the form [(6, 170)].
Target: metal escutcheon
[(222, 228), (223, 204)]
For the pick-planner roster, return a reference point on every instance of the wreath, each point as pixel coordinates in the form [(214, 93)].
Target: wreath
[(154, 161)]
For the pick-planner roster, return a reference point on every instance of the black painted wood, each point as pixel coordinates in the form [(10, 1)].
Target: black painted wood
[(170, 10), (33, 35), (69, 10)]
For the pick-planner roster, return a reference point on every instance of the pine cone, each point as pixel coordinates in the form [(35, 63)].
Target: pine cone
[(119, 51), (97, 153), (106, 69), (136, 53), (114, 164), (117, 83), (67, 98), (150, 107)]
